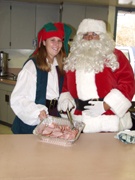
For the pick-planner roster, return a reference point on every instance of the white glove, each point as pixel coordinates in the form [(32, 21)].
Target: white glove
[(65, 102), (95, 108)]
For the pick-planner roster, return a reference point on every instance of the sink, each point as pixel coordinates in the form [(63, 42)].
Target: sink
[(9, 77)]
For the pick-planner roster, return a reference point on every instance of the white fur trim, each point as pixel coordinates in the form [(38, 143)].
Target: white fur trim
[(106, 123), (125, 122), (86, 87), (100, 123), (118, 102), (92, 25)]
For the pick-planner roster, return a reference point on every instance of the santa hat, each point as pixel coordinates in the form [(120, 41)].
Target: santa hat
[(92, 25), (58, 29)]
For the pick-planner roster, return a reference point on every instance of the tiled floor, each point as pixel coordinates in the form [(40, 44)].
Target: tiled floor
[(5, 129)]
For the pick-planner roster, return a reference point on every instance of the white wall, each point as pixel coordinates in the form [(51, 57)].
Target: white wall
[(17, 57)]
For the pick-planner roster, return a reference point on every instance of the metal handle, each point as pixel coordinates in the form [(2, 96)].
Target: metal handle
[(70, 118), (7, 98)]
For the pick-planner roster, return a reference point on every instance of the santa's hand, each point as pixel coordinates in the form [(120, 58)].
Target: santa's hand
[(95, 108), (65, 104)]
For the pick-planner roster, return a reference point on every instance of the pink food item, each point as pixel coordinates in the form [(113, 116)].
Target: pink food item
[(47, 130), (58, 131), (41, 128)]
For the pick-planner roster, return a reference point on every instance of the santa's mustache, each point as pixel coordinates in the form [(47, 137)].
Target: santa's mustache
[(95, 47), (91, 55)]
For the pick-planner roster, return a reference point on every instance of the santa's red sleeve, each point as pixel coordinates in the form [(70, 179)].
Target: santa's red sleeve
[(119, 98)]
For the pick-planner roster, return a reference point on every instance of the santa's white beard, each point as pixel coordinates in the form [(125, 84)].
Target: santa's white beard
[(91, 55)]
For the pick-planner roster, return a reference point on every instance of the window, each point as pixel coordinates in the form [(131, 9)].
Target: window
[(125, 33), (125, 27)]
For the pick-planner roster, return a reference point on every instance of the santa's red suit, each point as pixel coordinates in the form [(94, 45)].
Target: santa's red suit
[(116, 88)]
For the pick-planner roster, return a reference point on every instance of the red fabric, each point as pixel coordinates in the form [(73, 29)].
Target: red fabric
[(43, 34), (121, 79)]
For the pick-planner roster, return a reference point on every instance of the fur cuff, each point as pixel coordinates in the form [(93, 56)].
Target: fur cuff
[(104, 123), (118, 102), (100, 123)]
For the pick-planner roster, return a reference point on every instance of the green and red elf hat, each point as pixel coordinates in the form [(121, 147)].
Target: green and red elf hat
[(58, 29)]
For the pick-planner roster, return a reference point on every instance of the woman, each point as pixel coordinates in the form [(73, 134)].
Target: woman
[(40, 80)]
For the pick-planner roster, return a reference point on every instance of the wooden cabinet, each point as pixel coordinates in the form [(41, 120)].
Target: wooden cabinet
[(6, 113), (4, 25), (17, 25), (73, 14), (21, 21), (22, 25), (46, 13), (103, 15)]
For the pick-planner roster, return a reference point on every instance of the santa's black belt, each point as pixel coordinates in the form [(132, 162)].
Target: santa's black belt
[(80, 104), (51, 104)]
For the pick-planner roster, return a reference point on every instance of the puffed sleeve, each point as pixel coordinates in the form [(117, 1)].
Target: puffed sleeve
[(22, 99), (119, 98)]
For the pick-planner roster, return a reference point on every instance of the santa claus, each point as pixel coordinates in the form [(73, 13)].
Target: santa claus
[(99, 83)]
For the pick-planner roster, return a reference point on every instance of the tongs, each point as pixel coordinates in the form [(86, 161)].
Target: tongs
[(70, 119)]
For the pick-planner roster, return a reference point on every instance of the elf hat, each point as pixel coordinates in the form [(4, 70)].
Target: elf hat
[(58, 29), (92, 25)]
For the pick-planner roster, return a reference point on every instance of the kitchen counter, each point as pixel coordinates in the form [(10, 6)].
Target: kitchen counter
[(96, 156), (7, 81)]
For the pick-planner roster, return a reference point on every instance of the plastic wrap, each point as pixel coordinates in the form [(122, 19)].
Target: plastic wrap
[(79, 126)]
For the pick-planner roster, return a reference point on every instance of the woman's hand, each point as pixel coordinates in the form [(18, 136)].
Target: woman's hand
[(42, 115)]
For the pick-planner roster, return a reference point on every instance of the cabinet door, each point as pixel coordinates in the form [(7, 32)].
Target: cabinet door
[(10, 112), (3, 106), (103, 15), (22, 25), (46, 13), (4, 25), (73, 15), (6, 113)]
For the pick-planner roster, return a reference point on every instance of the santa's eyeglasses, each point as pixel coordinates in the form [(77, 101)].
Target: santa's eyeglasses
[(90, 35)]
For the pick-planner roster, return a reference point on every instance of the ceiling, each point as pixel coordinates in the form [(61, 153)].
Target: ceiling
[(87, 2)]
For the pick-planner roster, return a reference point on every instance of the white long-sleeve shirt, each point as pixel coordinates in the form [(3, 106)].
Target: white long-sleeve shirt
[(23, 96)]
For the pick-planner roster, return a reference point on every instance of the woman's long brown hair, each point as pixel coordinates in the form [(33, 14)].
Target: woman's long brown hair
[(41, 59)]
